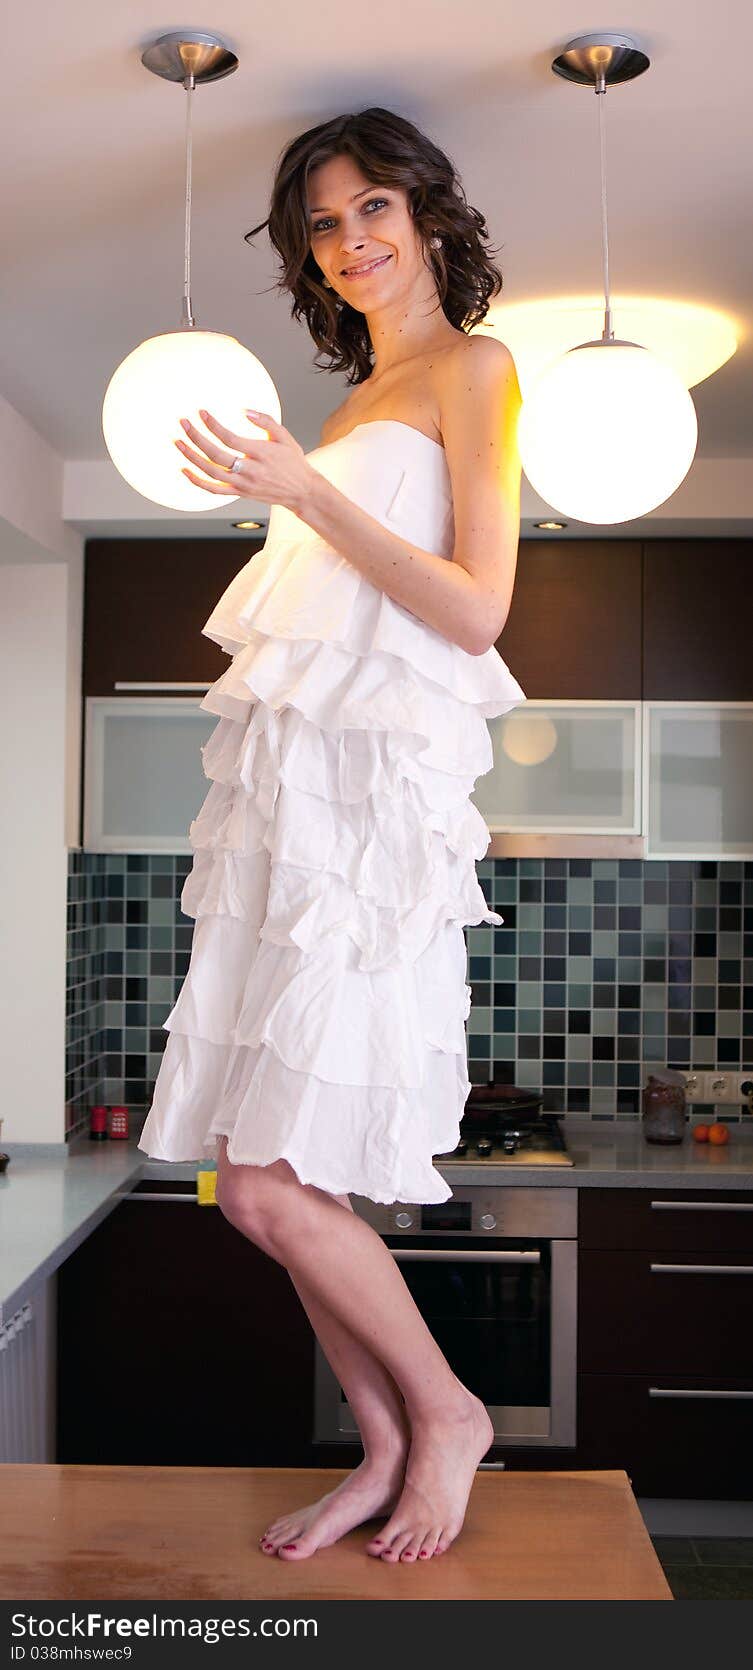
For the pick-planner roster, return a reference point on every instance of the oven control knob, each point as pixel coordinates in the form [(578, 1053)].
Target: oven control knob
[(403, 1220), (488, 1220)]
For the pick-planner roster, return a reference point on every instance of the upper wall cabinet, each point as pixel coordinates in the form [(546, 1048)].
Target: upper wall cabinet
[(698, 620), (574, 627), (145, 603)]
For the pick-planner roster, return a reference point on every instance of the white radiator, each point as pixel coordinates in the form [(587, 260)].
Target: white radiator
[(27, 1378)]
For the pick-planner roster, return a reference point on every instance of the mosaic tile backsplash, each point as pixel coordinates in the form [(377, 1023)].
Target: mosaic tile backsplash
[(603, 970)]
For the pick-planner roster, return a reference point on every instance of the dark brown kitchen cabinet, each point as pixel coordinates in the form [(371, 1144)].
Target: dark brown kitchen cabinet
[(180, 1343), (665, 1338), (695, 1442), (145, 603), (574, 627), (697, 619)]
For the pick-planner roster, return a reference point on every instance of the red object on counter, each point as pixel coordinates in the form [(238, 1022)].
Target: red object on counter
[(98, 1123), (118, 1122)]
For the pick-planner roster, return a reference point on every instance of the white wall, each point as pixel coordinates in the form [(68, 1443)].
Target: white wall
[(40, 649)]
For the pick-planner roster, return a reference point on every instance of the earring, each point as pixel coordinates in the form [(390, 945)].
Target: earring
[(326, 283), (436, 243)]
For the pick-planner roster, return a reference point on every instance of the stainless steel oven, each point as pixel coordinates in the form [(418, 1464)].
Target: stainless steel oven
[(493, 1272)]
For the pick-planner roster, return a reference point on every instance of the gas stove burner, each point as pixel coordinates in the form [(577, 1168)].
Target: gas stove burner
[(493, 1133)]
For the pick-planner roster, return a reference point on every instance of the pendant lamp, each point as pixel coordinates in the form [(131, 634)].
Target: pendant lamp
[(172, 375), (608, 431)]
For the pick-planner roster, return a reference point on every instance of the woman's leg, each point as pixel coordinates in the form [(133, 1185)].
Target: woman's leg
[(373, 1487), (350, 1271)]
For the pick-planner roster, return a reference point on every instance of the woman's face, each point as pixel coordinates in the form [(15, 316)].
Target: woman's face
[(362, 235)]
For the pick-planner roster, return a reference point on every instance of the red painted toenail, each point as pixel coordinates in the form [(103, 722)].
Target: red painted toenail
[(423, 1553), (289, 1545), (377, 1542)]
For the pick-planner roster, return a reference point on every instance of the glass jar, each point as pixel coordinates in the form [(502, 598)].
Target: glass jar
[(664, 1107)]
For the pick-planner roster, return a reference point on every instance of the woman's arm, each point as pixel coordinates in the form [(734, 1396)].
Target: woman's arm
[(466, 600)]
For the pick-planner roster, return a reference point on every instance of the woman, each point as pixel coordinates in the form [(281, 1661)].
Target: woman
[(318, 1043)]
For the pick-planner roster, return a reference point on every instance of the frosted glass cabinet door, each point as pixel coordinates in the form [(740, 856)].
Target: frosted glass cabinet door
[(144, 779), (569, 767), (699, 779)]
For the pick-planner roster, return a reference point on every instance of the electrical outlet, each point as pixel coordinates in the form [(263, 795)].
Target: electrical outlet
[(695, 1086), (725, 1087)]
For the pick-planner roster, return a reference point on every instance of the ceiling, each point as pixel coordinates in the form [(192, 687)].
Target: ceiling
[(93, 206)]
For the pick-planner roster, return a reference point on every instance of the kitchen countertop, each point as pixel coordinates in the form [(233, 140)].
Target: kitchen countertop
[(50, 1202)]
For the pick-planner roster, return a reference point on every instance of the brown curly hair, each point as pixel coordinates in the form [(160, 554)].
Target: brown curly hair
[(390, 151)]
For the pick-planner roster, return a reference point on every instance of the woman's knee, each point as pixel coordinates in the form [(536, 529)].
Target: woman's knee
[(253, 1198)]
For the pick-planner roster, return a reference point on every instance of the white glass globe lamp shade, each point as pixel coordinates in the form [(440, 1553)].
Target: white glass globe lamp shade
[(607, 432), (169, 377)]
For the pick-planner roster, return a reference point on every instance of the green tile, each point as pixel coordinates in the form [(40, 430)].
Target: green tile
[(654, 998), (653, 1025)]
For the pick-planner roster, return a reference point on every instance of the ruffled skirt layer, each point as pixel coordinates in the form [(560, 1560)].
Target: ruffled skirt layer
[(322, 1017)]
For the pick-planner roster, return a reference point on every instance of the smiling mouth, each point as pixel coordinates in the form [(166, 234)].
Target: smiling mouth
[(362, 272)]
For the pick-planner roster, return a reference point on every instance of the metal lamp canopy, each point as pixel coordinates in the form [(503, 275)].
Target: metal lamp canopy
[(186, 54), (606, 58)]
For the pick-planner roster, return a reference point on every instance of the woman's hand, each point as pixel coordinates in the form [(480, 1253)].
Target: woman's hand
[(274, 471)]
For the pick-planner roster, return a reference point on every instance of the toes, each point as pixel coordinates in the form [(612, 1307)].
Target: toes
[(427, 1547), (399, 1542), (297, 1550), (410, 1552), (279, 1534)]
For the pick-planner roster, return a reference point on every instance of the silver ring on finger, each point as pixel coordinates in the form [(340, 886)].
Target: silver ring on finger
[(238, 462)]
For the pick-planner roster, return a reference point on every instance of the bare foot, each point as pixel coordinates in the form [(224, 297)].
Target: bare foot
[(372, 1488), (442, 1461)]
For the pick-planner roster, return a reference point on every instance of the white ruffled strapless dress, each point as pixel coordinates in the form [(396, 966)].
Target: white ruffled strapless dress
[(322, 1016)]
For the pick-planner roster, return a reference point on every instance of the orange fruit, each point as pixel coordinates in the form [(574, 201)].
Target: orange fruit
[(700, 1133), (718, 1132)]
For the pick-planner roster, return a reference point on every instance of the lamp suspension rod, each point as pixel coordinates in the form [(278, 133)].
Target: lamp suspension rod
[(187, 319), (601, 89), (192, 57), (600, 61)]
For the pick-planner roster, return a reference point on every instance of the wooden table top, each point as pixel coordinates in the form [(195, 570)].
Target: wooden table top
[(191, 1533)]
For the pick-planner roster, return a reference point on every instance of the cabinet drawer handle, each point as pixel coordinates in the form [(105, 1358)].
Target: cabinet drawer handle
[(182, 1199), (702, 1205), (469, 1255), (160, 684), (702, 1269), (686, 1391)]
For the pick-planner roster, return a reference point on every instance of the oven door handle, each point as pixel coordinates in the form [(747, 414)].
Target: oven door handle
[(469, 1255)]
